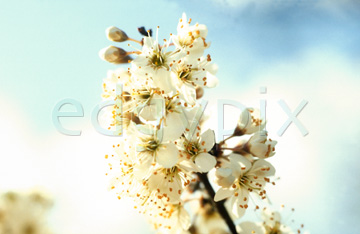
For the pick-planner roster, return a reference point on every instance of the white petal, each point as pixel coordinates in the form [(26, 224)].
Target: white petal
[(239, 165), (149, 113), (270, 217), (144, 168), (205, 162), (148, 42), (212, 68), (157, 104), (224, 177), (207, 140), (173, 188), (184, 219), (188, 93), (240, 202), (182, 22), (174, 127), (246, 121), (211, 81), (146, 129), (167, 155), (223, 193), (250, 227), (162, 79), (223, 172), (262, 168)]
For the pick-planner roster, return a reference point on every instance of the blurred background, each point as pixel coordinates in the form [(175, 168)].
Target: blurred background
[(297, 49)]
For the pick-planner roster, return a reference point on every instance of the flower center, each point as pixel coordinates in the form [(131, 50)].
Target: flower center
[(29, 229), (170, 171), (171, 105), (245, 182), (141, 94), (190, 38), (152, 145), (192, 148), (157, 60), (273, 230), (184, 74)]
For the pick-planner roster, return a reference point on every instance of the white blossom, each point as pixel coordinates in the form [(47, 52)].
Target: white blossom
[(197, 150), (271, 224), (173, 219), (187, 76), (154, 63), (191, 39), (261, 146), (249, 122), (247, 178), (164, 150)]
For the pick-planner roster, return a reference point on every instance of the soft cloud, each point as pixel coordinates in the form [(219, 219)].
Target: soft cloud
[(332, 6)]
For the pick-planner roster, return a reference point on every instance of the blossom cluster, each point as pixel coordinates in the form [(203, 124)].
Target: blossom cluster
[(164, 145), (24, 213), (272, 222)]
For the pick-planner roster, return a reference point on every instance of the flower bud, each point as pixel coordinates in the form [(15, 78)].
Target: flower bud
[(260, 146), (249, 122), (199, 92), (116, 34), (114, 54)]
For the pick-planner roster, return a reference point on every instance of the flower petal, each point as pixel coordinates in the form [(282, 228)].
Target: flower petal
[(184, 219), (212, 81), (239, 165), (224, 177), (162, 80), (167, 155), (223, 193), (223, 172), (238, 204), (205, 162), (207, 140), (250, 227), (174, 127), (262, 168), (144, 168)]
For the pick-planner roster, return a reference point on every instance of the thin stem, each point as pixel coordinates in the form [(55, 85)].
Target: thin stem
[(131, 39), (219, 205), (225, 148), (133, 52), (223, 141)]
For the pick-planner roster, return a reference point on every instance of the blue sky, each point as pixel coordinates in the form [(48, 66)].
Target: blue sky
[(298, 49), (53, 45)]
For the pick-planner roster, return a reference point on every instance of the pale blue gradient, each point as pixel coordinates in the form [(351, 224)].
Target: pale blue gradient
[(49, 51)]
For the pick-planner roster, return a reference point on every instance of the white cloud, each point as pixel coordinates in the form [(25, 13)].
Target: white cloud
[(336, 7)]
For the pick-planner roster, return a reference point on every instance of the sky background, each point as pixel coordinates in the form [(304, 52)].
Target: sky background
[(300, 50)]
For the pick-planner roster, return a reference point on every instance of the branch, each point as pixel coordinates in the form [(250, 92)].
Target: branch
[(219, 205)]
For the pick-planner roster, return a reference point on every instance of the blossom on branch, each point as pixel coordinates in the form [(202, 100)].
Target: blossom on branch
[(247, 178), (166, 155)]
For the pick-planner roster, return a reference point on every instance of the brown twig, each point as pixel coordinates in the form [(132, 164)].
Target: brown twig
[(219, 205)]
